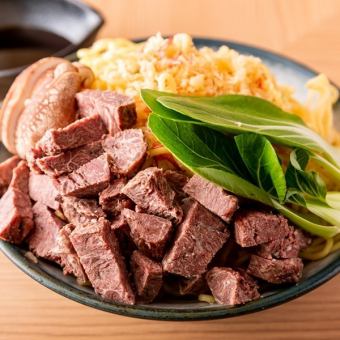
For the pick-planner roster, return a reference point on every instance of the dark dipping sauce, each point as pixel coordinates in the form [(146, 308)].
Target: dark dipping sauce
[(21, 46)]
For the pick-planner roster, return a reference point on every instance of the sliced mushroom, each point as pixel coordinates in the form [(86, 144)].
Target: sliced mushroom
[(42, 97)]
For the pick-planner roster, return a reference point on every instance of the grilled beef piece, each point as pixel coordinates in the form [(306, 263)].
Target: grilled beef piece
[(254, 227), (69, 160), (126, 151), (276, 271), (150, 233), (81, 211), (198, 239), (78, 133), (212, 197), (151, 192), (88, 180), (148, 276), (285, 248), (231, 287), (43, 240), (69, 259), (6, 171), (15, 207), (116, 110), (44, 189), (193, 286), (112, 200), (98, 250)]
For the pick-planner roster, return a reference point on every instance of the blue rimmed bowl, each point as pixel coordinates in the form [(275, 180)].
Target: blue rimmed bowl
[(315, 273)]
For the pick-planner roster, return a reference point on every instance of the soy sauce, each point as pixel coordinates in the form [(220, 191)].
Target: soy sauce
[(22, 46)]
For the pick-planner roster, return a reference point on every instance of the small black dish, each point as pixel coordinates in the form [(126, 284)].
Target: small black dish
[(33, 29)]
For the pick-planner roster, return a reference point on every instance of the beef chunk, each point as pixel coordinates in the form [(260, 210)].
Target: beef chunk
[(122, 231), (147, 276), (150, 190), (212, 197), (126, 150), (88, 180), (116, 110), (20, 177), (78, 133), (43, 241), (98, 250), (198, 239), (193, 286), (285, 248), (69, 160), (276, 271), (231, 287), (177, 180), (81, 211), (44, 189), (149, 233), (6, 171), (254, 227), (15, 207), (112, 200), (69, 259)]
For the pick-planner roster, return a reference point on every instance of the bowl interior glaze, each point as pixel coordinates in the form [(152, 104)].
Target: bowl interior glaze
[(315, 273)]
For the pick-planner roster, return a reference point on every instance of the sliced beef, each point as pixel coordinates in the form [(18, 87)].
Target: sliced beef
[(148, 276), (6, 171), (198, 239), (177, 180), (81, 211), (150, 191), (69, 160), (112, 200), (253, 227), (44, 189), (78, 133), (98, 250), (15, 207), (193, 286), (69, 259), (276, 271), (150, 233), (212, 197), (285, 248), (116, 110), (88, 180), (43, 240), (126, 150), (231, 287)]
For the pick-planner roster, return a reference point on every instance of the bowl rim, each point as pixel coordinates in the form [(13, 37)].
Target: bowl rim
[(188, 314)]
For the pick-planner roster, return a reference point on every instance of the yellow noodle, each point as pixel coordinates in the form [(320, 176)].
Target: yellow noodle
[(206, 298), (311, 255)]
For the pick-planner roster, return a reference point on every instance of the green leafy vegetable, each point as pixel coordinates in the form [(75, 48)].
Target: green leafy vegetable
[(237, 114), (306, 182), (262, 163)]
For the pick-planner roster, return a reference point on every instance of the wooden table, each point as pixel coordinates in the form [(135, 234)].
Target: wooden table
[(307, 30)]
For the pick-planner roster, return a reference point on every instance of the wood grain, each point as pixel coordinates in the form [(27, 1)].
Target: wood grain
[(307, 30)]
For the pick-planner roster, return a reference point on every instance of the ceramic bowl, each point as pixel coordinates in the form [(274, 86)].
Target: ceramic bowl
[(315, 273)]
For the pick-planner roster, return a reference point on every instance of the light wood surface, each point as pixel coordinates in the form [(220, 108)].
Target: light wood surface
[(308, 30)]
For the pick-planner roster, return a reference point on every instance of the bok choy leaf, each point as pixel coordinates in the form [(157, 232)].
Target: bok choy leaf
[(236, 114)]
